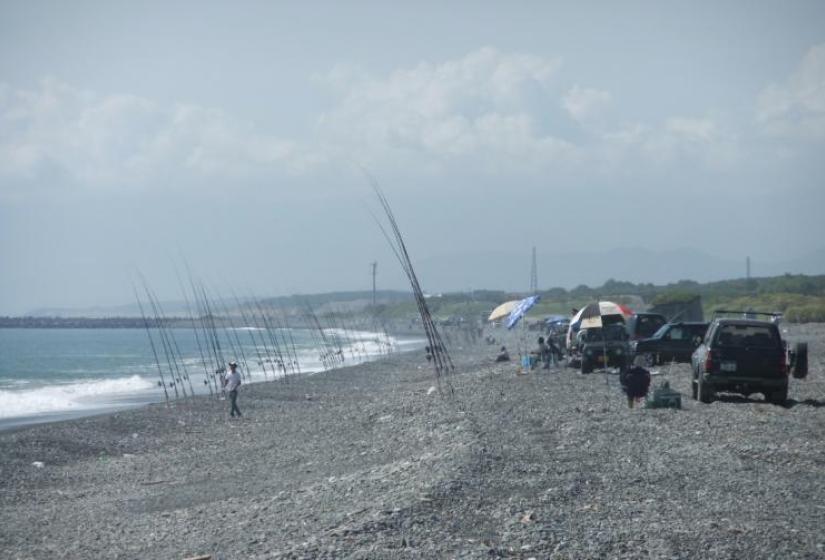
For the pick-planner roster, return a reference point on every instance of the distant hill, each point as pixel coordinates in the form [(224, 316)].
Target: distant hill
[(510, 270)]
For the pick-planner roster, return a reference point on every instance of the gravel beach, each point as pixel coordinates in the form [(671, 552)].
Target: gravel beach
[(371, 462)]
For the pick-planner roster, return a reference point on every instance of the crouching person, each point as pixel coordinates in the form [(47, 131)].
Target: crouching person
[(635, 384)]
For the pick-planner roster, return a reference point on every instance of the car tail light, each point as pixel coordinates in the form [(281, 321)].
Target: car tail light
[(709, 361)]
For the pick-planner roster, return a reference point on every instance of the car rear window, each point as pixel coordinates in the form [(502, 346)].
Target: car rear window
[(647, 325), (747, 335)]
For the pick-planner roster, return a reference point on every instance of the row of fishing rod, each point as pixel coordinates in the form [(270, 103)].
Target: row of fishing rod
[(437, 350), (269, 347)]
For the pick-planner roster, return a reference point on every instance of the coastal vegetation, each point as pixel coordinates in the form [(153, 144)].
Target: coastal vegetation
[(801, 298)]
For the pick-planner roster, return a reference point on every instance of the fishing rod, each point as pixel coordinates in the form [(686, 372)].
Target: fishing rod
[(316, 341), (336, 333), (207, 338), (357, 334), (442, 361), (380, 327), (236, 346), (211, 375), (272, 338), (439, 351), (162, 381), (325, 341), (274, 319), (167, 348), (295, 363), (251, 330), (366, 324), (272, 353), (195, 329), (163, 340), (211, 330), (284, 330), (176, 349), (320, 339), (387, 341)]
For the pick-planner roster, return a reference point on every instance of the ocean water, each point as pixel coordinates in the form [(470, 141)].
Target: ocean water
[(49, 374)]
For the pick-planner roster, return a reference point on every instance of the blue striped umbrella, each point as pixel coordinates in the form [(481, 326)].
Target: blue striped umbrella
[(518, 312)]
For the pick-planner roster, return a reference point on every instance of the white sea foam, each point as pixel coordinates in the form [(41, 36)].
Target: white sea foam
[(74, 396)]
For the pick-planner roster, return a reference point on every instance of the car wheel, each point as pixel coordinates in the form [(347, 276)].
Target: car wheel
[(586, 367), (705, 393), (694, 390), (800, 366)]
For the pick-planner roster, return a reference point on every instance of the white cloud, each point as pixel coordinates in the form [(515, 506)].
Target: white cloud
[(125, 139), (488, 110), (797, 106), (699, 139), (481, 105), (585, 103)]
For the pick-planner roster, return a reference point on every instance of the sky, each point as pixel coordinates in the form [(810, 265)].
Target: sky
[(236, 138)]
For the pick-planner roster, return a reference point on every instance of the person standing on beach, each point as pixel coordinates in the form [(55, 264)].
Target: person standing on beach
[(233, 381)]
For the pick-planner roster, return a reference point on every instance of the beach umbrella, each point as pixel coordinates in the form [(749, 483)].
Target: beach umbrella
[(503, 310), (522, 307), (596, 314)]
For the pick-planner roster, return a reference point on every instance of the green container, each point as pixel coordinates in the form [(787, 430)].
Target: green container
[(664, 397)]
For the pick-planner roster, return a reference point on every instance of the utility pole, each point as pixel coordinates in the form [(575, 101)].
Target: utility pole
[(374, 266), (534, 275), (748, 268)]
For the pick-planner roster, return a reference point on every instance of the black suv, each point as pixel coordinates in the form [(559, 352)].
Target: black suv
[(672, 342), (604, 347), (745, 356)]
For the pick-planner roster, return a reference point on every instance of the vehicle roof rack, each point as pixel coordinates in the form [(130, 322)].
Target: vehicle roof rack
[(745, 313)]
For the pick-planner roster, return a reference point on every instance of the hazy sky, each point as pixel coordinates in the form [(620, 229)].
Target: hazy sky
[(136, 134)]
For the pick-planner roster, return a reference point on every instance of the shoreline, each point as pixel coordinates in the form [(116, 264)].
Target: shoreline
[(369, 462), (106, 403)]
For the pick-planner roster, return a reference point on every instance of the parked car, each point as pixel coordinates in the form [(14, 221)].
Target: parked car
[(644, 325), (672, 342), (746, 356), (603, 347)]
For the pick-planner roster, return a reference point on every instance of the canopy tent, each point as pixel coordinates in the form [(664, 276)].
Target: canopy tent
[(503, 310)]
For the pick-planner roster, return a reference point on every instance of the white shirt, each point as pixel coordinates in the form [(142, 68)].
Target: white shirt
[(233, 379)]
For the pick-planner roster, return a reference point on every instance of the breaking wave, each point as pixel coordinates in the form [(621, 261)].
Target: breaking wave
[(80, 395)]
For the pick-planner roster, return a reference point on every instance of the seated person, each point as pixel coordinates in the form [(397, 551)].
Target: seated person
[(542, 353), (503, 356)]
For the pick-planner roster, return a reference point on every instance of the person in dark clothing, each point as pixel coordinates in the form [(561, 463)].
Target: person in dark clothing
[(503, 355), (554, 349), (635, 384), (233, 381)]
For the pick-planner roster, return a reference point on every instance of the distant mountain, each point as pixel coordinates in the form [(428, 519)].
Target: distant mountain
[(511, 271)]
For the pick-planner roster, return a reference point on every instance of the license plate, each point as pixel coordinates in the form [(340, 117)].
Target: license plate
[(728, 366), (599, 358)]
